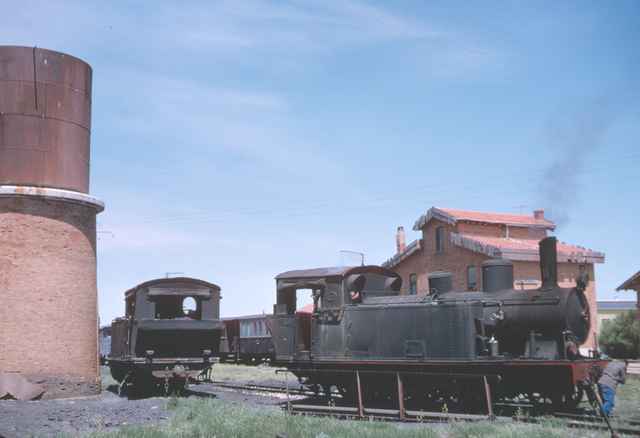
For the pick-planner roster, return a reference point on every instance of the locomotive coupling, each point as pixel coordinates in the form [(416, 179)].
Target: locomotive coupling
[(180, 371)]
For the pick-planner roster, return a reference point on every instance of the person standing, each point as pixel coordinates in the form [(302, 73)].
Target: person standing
[(614, 373)]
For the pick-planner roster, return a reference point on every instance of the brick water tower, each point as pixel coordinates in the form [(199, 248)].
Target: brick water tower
[(48, 293)]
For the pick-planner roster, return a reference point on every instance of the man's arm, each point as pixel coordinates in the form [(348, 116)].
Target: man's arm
[(622, 374)]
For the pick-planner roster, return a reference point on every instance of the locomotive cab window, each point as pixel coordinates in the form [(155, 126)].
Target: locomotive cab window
[(176, 306), (189, 307)]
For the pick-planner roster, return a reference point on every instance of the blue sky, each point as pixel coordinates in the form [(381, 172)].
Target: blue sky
[(235, 140)]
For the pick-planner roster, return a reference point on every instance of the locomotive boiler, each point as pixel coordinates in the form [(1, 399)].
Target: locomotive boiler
[(170, 333), (364, 338)]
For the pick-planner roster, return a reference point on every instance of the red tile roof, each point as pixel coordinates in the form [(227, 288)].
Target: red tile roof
[(452, 215), (306, 309), (523, 249)]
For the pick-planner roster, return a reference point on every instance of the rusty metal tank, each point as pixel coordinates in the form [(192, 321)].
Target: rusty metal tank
[(45, 119)]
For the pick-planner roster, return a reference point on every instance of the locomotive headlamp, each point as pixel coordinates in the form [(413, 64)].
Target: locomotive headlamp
[(149, 353)]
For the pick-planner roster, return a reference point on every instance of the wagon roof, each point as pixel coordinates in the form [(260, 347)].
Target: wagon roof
[(172, 280), (256, 316), (335, 271)]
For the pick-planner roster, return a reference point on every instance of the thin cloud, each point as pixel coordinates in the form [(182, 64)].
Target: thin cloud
[(272, 35), (298, 26)]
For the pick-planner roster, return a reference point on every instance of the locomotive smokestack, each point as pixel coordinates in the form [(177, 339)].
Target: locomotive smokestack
[(549, 263), (401, 243)]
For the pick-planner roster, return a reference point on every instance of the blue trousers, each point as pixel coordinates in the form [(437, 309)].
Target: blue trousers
[(608, 398)]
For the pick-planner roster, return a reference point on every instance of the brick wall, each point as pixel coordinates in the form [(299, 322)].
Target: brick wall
[(48, 316)]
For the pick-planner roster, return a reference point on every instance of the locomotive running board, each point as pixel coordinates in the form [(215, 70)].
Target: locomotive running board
[(392, 414), (403, 414)]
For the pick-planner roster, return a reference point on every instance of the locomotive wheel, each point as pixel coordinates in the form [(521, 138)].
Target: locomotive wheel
[(348, 393), (117, 372), (177, 387), (141, 386), (536, 399)]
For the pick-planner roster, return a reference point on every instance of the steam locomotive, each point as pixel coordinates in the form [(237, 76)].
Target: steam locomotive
[(366, 340), (170, 333)]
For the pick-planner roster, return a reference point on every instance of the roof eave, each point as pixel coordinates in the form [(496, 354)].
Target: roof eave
[(411, 249), (526, 255), (475, 246), (632, 283), (433, 213), (529, 255)]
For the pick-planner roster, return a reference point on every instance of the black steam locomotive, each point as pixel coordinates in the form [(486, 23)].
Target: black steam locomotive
[(170, 333), (369, 342)]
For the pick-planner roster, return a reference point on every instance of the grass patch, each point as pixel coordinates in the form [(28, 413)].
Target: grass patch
[(221, 371), (213, 418), (243, 373), (628, 399)]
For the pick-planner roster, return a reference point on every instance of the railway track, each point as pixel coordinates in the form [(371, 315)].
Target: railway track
[(256, 388), (629, 427)]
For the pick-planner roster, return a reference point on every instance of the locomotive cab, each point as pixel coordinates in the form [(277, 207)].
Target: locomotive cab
[(301, 336), (171, 328)]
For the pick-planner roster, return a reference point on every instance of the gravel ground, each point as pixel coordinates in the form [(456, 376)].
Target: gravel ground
[(79, 416), (73, 416)]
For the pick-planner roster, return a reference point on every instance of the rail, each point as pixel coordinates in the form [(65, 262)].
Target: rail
[(361, 412)]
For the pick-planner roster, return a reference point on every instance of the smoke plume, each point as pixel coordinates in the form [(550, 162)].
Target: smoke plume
[(572, 140)]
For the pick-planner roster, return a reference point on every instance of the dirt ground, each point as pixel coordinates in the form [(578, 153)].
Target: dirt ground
[(107, 411)]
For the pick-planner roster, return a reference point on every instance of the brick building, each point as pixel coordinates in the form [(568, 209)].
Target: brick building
[(458, 241), (632, 283)]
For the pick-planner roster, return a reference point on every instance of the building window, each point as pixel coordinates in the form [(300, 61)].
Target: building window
[(413, 284), (472, 278), (440, 239)]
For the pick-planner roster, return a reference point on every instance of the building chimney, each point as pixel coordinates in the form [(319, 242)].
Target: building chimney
[(401, 243), (538, 214)]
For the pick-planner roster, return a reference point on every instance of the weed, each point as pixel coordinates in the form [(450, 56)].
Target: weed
[(213, 418)]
